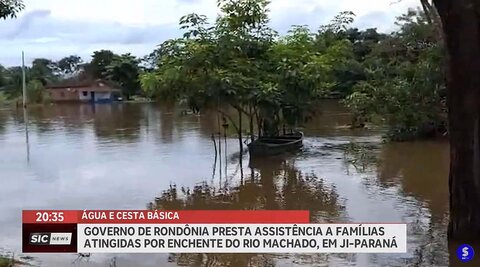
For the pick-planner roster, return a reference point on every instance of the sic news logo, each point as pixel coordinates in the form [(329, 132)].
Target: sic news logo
[(50, 239), (465, 253)]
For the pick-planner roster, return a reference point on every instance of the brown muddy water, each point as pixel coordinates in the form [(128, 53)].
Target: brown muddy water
[(132, 156)]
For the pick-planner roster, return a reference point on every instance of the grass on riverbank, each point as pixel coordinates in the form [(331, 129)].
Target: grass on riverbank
[(3, 99), (11, 262), (5, 262)]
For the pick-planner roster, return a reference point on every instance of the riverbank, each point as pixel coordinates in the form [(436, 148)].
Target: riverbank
[(17, 102), (4, 262), (5, 102), (10, 262), (3, 99)]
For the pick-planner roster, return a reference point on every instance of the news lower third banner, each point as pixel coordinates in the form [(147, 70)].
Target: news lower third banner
[(202, 231)]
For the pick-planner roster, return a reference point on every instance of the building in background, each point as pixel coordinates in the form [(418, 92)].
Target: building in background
[(95, 91)]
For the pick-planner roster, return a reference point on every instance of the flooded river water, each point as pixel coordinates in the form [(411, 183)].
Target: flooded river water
[(132, 156)]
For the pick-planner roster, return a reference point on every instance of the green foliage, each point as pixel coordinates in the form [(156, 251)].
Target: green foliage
[(240, 62), (395, 79), (3, 98), (10, 8), (13, 82), (302, 73), (44, 70), (12, 78), (405, 84), (36, 92), (69, 65), (150, 84), (125, 71), (99, 63), (5, 262)]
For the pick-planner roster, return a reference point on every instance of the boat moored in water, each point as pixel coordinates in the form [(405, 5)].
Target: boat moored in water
[(265, 146)]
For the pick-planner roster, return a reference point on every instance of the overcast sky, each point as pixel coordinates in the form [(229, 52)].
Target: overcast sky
[(57, 28)]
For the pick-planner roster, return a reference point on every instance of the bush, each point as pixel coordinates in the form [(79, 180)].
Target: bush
[(405, 84)]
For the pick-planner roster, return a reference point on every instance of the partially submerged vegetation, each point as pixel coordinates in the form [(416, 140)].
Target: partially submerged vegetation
[(5, 262), (11, 262), (272, 81), (3, 99), (120, 69), (405, 82), (241, 61), (395, 79)]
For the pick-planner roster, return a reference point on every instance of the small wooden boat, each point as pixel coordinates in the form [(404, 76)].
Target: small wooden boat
[(265, 146)]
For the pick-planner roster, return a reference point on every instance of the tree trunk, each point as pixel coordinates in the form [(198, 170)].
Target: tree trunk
[(259, 123), (431, 14), (219, 127), (252, 138), (240, 139), (461, 27)]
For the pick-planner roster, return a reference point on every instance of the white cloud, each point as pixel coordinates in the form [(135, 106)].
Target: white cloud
[(139, 12), (57, 28)]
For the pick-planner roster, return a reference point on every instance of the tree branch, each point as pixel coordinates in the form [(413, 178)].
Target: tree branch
[(229, 118)]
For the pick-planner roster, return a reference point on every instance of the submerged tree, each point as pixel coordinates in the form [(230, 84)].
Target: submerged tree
[(405, 82), (238, 62), (305, 67), (218, 65)]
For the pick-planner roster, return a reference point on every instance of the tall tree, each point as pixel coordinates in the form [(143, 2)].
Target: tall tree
[(44, 70), (150, 61), (13, 81), (10, 8), (124, 70), (461, 28), (100, 61), (69, 65), (3, 76)]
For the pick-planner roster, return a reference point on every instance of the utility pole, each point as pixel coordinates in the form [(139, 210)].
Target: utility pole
[(25, 113), (24, 82)]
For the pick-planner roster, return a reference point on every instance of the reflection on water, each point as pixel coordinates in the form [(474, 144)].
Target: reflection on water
[(272, 184), (122, 156), (421, 170), (418, 171), (269, 186)]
